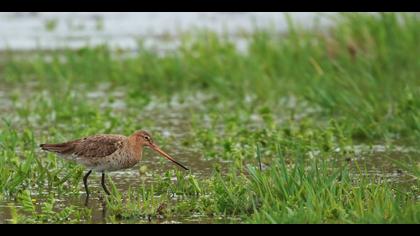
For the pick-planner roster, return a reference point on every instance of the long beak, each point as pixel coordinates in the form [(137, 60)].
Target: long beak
[(158, 150)]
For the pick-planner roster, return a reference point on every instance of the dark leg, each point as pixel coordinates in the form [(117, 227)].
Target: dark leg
[(85, 182), (103, 184)]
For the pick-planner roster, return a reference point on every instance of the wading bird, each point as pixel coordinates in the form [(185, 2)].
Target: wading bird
[(106, 152)]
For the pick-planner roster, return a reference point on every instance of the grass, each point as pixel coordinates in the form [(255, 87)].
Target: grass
[(280, 122)]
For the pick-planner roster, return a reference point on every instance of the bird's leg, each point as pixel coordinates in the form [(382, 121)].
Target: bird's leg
[(85, 182), (103, 184)]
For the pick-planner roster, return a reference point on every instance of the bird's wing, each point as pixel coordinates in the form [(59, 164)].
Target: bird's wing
[(98, 146)]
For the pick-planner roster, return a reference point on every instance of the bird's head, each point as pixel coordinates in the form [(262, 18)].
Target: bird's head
[(144, 139)]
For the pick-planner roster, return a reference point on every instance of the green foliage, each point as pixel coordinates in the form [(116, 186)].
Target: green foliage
[(279, 122)]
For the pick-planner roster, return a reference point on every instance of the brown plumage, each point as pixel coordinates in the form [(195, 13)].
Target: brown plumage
[(94, 146), (106, 152)]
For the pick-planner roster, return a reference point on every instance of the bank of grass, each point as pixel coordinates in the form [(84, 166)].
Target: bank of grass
[(358, 82)]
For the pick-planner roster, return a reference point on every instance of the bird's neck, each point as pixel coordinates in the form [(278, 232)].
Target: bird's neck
[(135, 147)]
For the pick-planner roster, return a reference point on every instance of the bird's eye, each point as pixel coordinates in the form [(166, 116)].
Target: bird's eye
[(147, 138)]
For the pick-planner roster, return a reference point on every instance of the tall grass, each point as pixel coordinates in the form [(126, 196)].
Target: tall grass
[(365, 63), (321, 192)]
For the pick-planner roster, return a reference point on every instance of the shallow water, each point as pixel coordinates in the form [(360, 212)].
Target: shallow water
[(48, 30), (169, 125), (375, 162), (173, 127), (169, 120), (143, 173)]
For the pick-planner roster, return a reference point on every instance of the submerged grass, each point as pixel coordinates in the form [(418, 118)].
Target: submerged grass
[(282, 119)]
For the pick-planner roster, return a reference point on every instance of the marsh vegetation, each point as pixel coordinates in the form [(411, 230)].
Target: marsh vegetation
[(303, 127)]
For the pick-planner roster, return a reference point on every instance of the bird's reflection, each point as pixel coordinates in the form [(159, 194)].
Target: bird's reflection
[(101, 201)]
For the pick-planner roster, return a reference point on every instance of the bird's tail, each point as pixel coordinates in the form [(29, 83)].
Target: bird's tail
[(60, 148)]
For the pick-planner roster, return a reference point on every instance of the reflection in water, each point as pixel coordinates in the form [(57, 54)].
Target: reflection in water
[(97, 218), (104, 211)]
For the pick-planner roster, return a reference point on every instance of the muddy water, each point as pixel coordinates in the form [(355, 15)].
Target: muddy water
[(168, 124), (382, 163), (142, 174), (377, 162), (172, 126)]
